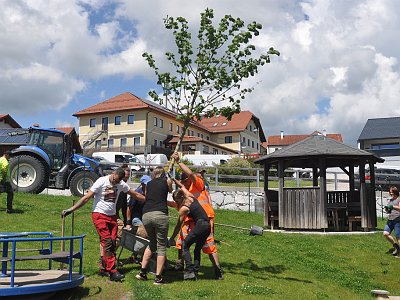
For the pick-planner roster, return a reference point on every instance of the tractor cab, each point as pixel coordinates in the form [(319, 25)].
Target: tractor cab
[(54, 143)]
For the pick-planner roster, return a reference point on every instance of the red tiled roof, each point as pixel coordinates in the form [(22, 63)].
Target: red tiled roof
[(221, 124), (8, 119), (276, 140), (67, 130), (121, 102)]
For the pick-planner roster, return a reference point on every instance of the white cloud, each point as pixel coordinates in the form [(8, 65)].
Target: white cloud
[(336, 52)]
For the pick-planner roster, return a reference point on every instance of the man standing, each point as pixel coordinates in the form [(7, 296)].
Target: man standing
[(105, 192), (195, 185), (393, 223), (5, 181)]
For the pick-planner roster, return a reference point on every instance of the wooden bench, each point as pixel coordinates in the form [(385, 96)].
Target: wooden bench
[(273, 214), (353, 213)]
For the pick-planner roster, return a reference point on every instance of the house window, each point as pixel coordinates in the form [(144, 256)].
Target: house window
[(177, 128), (170, 126), (202, 136), (117, 120), (161, 144), (104, 123), (131, 119), (155, 143), (123, 142), (224, 124), (110, 144), (251, 128), (248, 142), (155, 121), (198, 134), (228, 139), (92, 122), (97, 144), (205, 149), (244, 141), (136, 141), (208, 138), (215, 151), (257, 146), (252, 144), (161, 123)]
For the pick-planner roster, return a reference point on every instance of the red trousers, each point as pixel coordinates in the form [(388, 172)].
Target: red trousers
[(107, 229)]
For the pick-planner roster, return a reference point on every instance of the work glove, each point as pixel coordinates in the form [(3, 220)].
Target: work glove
[(171, 242), (66, 212), (389, 207)]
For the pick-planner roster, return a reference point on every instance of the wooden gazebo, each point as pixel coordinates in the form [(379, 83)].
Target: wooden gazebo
[(310, 208)]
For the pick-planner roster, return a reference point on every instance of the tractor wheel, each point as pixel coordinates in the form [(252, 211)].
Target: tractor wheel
[(28, 174), (81, 182)]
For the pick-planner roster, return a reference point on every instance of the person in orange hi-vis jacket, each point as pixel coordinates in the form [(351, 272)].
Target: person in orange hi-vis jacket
[(195, 184)]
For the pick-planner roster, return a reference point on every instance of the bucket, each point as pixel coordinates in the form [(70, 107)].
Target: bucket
[(256, 230)]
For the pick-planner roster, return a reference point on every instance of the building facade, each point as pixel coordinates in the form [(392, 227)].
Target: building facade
[(130, 124), (381, 136)]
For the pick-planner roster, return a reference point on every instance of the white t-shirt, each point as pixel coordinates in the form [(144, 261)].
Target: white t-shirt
[(106, 195)]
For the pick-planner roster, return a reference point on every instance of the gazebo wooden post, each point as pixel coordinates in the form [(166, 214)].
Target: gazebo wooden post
[(351, 177), (363, 196), (266, 200), (281, 195), (323, 217), (371, 198), (315, 176)]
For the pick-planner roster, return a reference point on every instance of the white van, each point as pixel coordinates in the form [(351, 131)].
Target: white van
[(120, 158), (207, 159), (153, 159)]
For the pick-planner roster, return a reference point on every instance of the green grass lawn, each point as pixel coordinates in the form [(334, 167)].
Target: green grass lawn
[(273, 266)]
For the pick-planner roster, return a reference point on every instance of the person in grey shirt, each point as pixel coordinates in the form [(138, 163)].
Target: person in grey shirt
[(393, 223)]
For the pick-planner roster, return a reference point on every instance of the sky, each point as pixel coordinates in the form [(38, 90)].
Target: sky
[(339, 62)]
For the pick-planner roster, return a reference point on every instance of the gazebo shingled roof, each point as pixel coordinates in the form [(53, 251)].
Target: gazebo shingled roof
[(303, 153)]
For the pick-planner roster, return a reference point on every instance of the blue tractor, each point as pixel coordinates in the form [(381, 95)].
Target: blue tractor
[(47, 160)]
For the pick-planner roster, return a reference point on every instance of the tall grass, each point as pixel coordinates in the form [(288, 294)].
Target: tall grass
[(274, 265)]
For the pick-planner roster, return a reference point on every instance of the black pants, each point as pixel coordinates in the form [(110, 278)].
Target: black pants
[(198, 235), (6, 187)]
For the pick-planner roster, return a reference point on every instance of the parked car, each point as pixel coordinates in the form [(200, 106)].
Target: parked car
[(119, 158), (107, 167), (384, 178)]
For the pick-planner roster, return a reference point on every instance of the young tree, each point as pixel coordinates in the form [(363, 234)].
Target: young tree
[(206, 79)]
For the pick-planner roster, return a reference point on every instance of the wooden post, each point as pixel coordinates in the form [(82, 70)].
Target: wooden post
[(315, 176), (363, 196), (323, 197), (281, 195), (351, 177), (266, 200)]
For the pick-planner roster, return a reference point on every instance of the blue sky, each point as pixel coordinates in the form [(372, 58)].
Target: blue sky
[(339, 63)]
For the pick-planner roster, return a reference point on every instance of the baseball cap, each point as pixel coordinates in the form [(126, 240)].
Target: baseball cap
[(183, 176), (145, 179), (200, 170)]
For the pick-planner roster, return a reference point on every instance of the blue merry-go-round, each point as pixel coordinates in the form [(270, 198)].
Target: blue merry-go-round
[(30, 263)]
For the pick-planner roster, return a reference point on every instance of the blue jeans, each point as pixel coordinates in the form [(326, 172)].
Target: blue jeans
[(393, 225)]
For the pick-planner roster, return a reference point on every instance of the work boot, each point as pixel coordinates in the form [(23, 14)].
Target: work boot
[(142, 275), (10, 211), (396, 251), (116, 276), (218, 273), (159, 280), (189, 275)]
